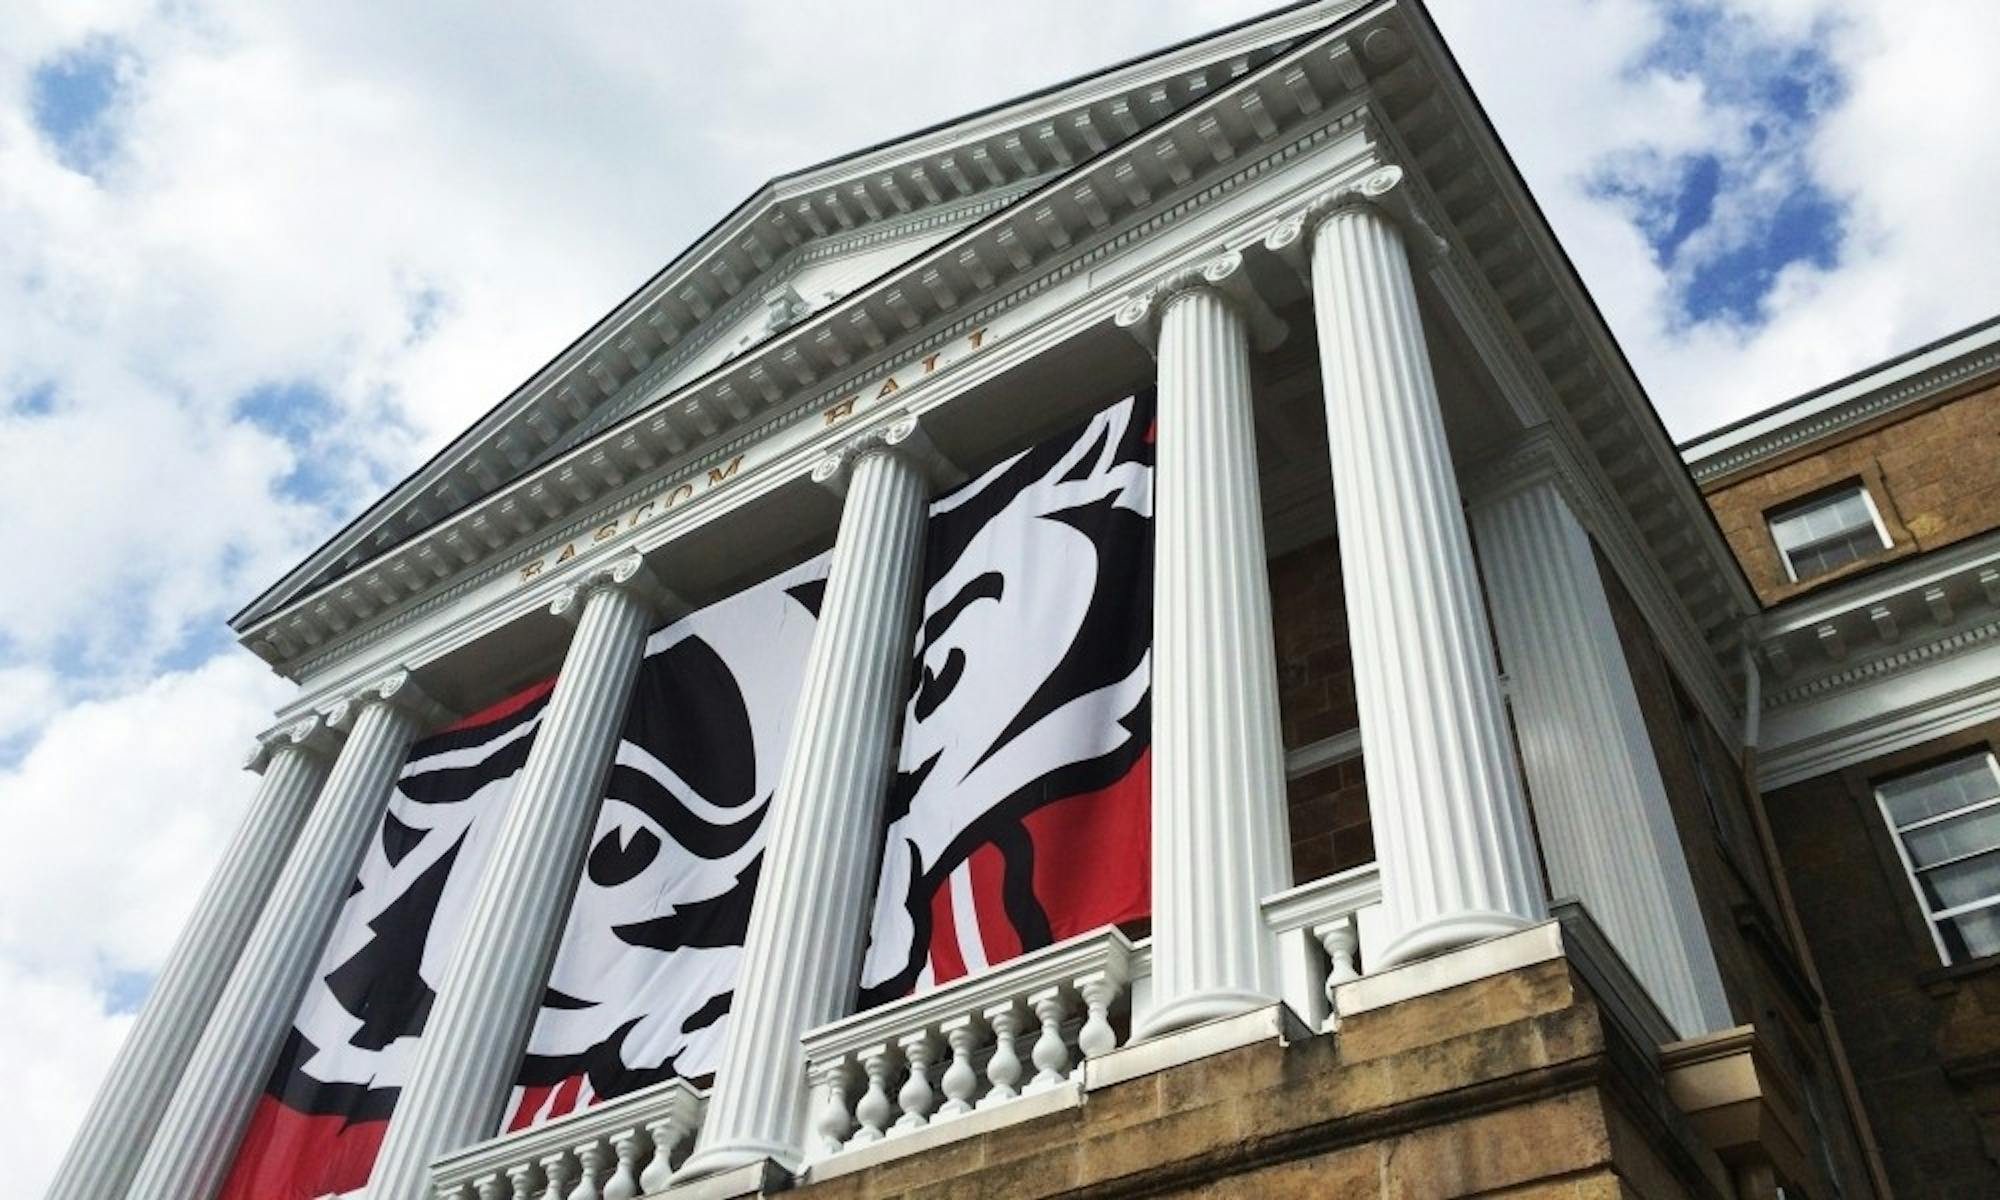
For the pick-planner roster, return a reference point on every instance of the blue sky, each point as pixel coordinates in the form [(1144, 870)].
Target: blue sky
[(257, 260)]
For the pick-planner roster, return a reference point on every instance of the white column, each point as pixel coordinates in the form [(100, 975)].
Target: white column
[(196, 1139), (1607, 830), (803, 952), (1444, 798), (141, 1080), (1218, 756), (493, 984)]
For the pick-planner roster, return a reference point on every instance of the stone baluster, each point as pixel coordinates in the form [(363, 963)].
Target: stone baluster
[(1051, 1054), (875, 1109), (1451, 831), (493, 983), (1341, 940), (836, 1122), (627, 1145), (141, 1080), (524, 1178), (960, 1081), (197, 1135), (917, 1096), (456, 1191), (1003, 1070), (801, 957), (493, 1187), (594, 1158), (666, 1134), (1099, 990), (560, 1171), (1218, 775)]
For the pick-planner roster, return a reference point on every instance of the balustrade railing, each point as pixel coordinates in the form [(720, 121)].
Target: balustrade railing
[(617, 1150), (1318, 926), (1019, 1029)]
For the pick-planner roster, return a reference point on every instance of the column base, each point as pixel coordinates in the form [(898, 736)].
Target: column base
[(1448, 933), (746, 1159), (1202, 1006)]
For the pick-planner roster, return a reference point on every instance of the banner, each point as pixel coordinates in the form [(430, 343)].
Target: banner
[(641, 987), (1020, 814), (321, 1119)]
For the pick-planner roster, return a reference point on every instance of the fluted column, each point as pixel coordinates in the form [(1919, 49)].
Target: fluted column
[(1451, 831), (142, 1077), (1601, 809), (802, 955), (1218, 756), (196, 1139), (493, 983)]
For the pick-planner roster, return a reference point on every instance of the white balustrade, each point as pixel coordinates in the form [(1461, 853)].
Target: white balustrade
[(1318, 929), (879, 1074), (618, 1150)]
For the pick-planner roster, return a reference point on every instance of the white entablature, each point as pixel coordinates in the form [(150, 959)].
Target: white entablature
[(813, 235), (1037, 274)]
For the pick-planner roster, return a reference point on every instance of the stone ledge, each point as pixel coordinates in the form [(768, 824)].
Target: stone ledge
[(1274, 1023), (759, 1178)]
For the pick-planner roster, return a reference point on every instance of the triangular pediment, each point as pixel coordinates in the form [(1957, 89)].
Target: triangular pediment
[(792, 249)]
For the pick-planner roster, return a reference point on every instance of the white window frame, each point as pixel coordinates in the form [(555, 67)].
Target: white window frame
[(1934, 920), (1794, 508)]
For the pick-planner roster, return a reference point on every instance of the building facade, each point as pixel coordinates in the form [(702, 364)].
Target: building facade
[(1229, 690)]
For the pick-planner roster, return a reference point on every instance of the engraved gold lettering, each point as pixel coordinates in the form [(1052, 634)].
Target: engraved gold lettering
[(639, 514), (568, 552), (889, 385), (682, 493), (531, 570), (930, 362), (977, 336), (842, 410), (720, 475), (605, 532)]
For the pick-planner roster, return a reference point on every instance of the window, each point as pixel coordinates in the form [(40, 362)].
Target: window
[(1827, 531), (1946, 819)]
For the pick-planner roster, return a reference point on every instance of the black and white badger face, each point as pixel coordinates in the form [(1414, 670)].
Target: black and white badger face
[(1032, 679), (641, 986), (354, 1040)]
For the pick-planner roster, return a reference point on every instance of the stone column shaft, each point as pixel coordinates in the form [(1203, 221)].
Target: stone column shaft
[(1451, 831), (493, 984), (1601, 808), (803, 951), (197, 1136), (1218, 756), (129, 1101)]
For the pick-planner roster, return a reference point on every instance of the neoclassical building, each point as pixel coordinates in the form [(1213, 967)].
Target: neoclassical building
[(1145, 640)]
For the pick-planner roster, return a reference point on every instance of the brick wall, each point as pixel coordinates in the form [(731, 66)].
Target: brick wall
[(1934, 476), (1327, 808), (1924, 1040)]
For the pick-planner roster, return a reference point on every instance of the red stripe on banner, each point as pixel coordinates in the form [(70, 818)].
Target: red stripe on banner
[(529, 1110), (1093, 854), (506, 708), (290, 1155), (565, 1101), (947, 962), (989, 900)]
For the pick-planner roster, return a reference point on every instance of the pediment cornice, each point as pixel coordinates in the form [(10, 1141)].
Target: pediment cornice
[(950, 175)]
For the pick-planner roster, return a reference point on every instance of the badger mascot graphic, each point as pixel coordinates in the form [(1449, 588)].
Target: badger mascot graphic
[(1020, 810), (321, 1119)]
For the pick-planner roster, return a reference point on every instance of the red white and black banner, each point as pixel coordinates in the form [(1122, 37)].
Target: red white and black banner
[(320, 1121), (642, 984), (1020, 814)]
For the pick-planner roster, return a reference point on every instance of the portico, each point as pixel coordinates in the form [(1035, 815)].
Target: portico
[(1354, 322)]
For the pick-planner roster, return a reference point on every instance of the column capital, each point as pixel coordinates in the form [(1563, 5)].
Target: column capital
[(310, 734), (397, 690), (902, 435), (1222, 274), (628, 573), (1383, 189)]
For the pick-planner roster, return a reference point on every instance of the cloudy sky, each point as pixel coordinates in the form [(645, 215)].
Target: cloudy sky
[(257, 260)]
